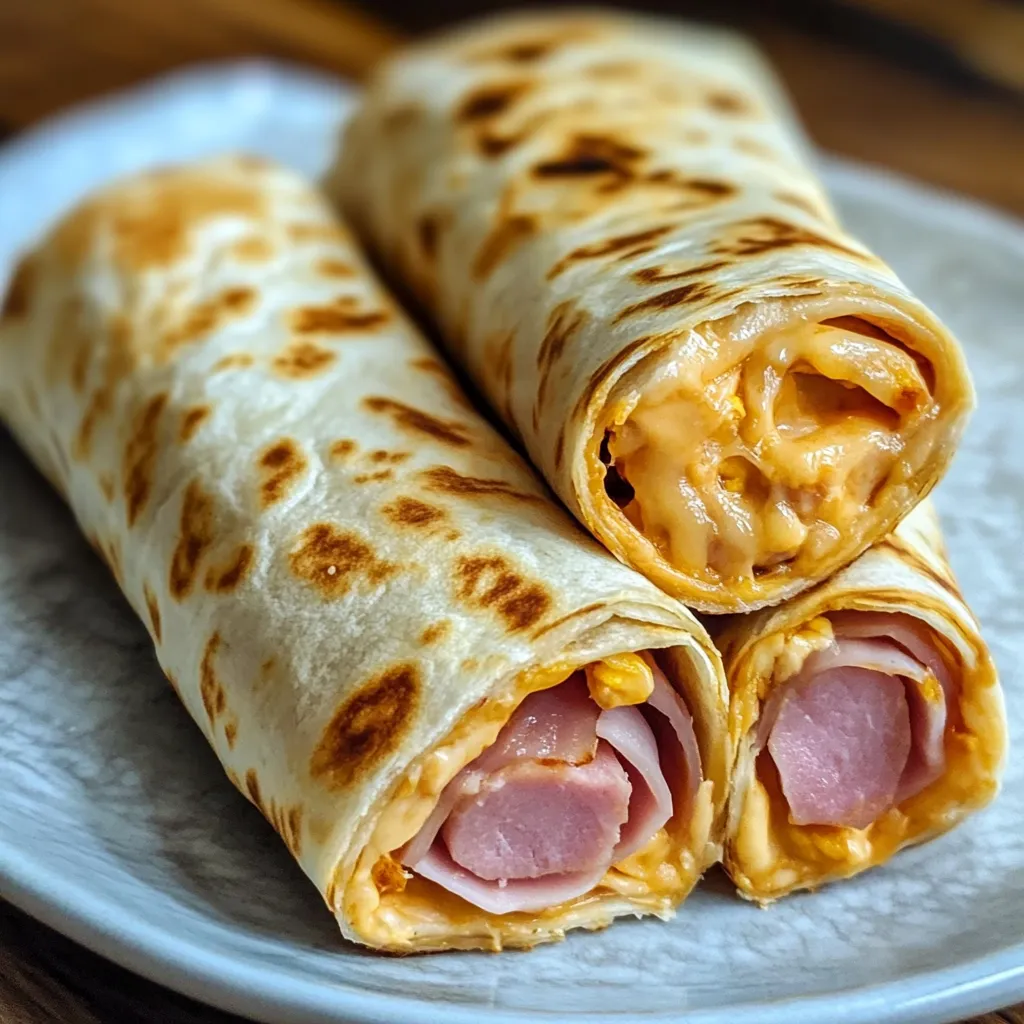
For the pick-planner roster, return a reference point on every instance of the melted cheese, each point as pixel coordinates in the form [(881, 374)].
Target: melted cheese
[(393, 908), (620, 679), (769, 856), (744, 461)]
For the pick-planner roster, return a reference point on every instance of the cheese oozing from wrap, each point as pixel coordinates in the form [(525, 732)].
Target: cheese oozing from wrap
[(363, 597), (614, 223), (868, 716)]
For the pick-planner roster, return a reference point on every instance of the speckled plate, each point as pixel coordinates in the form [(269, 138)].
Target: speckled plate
[(118, 827)]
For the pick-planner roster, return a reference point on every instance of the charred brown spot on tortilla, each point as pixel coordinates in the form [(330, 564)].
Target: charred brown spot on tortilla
[(428, 228), (252, 249), (153, 607), (588, 155), (151, 223), (616, 487), (332, 267), (112, 556), (564, 322), (231, 734), (629, 245), (608, 368), (191, 420), (106, 482), (293, 830), (280, 466), (381, 455), (210, 688), (491, 582), (436, 631), (99, 405), (944, 577), (508, 233), (734, 104), (252, 787), (234, 361), (330, 559), (407, 511), (342, 449), (799, 202), (684, 294), (140, 456), (303, 359), (493, 145), (416, 421), (195, 537), (490, 101), (377, 477), (18, 296), (560, 447), (760, 235), (368, 727), (445, 480), (316, 232), (660, 275), (223, 579), (205, 317), (338, 317)]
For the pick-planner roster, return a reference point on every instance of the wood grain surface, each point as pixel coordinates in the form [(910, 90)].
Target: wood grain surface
[(57, 52)]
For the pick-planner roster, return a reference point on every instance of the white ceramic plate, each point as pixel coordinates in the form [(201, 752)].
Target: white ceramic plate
[(118, 827)]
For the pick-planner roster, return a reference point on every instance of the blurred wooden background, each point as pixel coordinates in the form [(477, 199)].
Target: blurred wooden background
[(931, 88)]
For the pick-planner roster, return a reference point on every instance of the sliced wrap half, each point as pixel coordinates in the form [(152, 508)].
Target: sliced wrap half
[(362, 596), (867, 714), (614, 223)]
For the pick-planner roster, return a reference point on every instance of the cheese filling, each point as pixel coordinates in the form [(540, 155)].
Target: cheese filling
[(738, 464), (395, 906)]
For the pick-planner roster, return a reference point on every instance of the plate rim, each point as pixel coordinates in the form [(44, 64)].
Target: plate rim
[(203, 973)]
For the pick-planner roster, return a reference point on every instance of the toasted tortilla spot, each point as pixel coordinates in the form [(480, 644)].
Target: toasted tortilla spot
[(317, 232), (330, 559), (342, 449), (191, 420), (224, 579), (280, 466), (660, 275), (493, 145), (734, 104), (153, 607), (490, 582), (374, 478), (560, 447), (302, 359), (337, 317), (205, 317), (630, 244), (380, 455), (607, 369), (564, 322), (800, 202), (210, 688), (99, 405), (231, 734), (18, 297), (435, 632), (252, 787), (445, 480), (252, 249), (405, 511), (195, 537), (331, 267), (367, 728), (106, 482), (697, 291), (490, 101), (140, 457), (760, 235), (508, 234), (293, 831), (588, 155), (418, 422), (428, 228), (234, 361)]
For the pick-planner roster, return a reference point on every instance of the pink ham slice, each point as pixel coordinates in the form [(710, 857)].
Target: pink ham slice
[(565, 791), (858, 730)]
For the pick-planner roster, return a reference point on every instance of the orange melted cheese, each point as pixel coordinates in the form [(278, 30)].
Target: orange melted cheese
[(743, 461), (768, 855), (395, 909)]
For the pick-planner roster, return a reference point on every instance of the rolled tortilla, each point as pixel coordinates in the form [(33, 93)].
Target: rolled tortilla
[(352, 582), (867, 715), (614, 223)]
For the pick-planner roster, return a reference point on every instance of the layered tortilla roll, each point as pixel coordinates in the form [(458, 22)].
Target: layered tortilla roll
[(614, 224), (868, 717), (470, 725)]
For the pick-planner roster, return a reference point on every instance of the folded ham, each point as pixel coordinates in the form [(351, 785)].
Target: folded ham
[(868, 716), (566, 790)]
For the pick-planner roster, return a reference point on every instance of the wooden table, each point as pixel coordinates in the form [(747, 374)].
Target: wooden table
[(57, 52)]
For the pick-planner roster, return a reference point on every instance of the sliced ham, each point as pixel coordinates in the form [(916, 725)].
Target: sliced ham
[(566, 790), (861, 727)]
